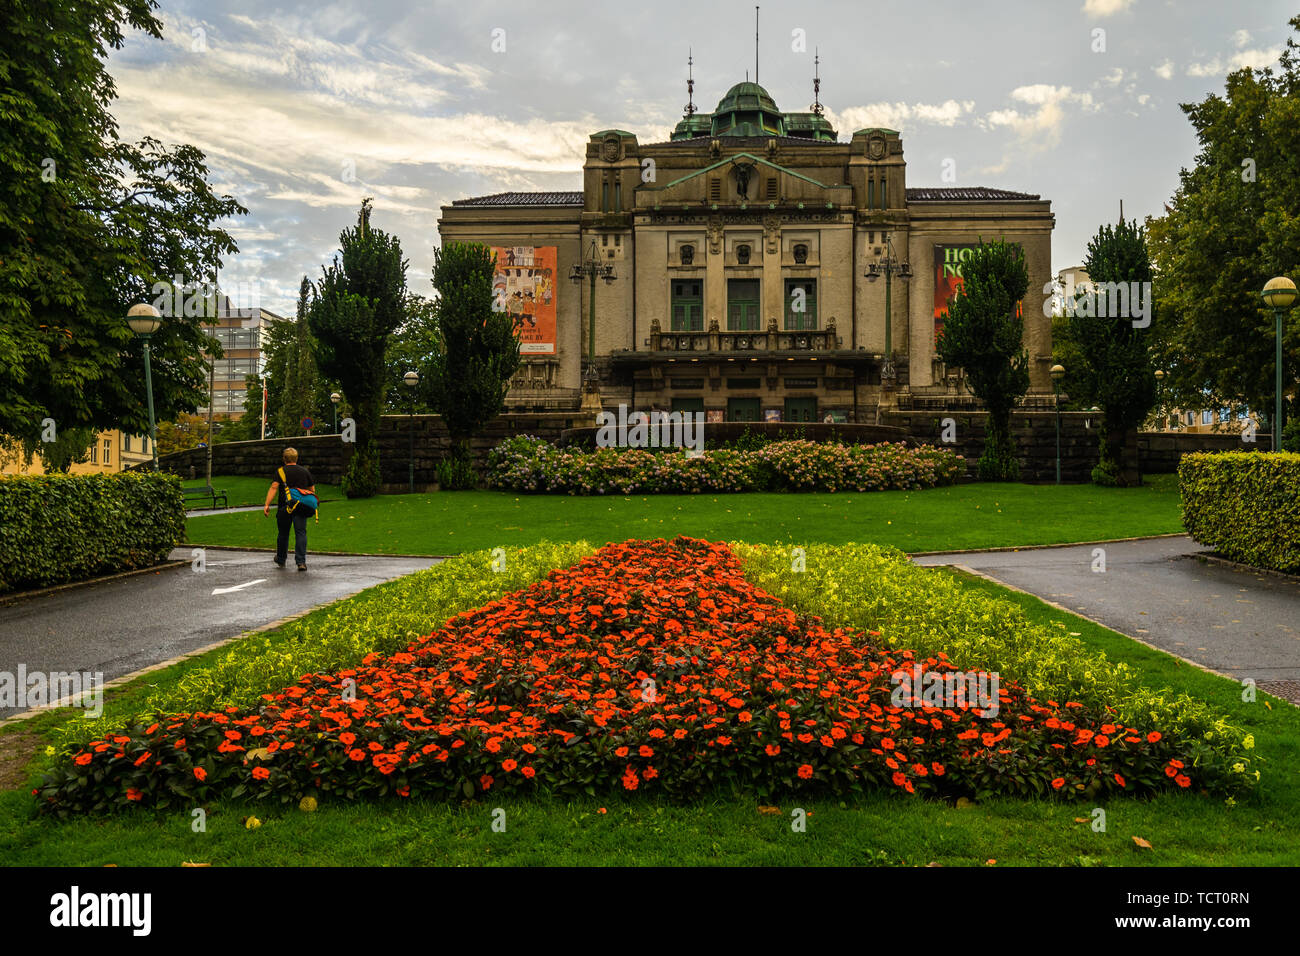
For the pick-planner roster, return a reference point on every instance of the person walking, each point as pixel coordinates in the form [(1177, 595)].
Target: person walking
[(288, 511)]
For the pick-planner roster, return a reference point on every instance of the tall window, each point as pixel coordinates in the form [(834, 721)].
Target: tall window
[(108, 451), (742, 305), (800, 305), (688, 305)]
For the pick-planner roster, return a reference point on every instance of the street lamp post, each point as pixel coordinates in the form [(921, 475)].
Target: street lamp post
[(411, 379), (1279, 294), (144, 321), (335, 397), (1058, 373), (591, 269), (1160, 397), (889, 266)]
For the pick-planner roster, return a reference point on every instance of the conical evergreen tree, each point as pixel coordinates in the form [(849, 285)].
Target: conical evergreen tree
[(360, 301)]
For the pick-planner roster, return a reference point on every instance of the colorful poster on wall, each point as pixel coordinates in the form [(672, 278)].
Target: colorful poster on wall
[(948, 264), (525, 287)]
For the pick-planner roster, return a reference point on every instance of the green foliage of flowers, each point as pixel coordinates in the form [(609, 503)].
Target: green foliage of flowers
[(872, 588), (384, 619), (60, 528), (531, 464), (1245, 505)]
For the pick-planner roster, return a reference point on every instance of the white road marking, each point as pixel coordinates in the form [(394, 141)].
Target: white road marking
[(237, 587)]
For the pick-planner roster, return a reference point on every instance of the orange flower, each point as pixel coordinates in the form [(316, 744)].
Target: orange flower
[(806, 771), (772, 750), (1058, 783), (508, 764), (201, 774), (260, 773)]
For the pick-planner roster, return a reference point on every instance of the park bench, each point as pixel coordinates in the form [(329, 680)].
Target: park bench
[(207, 493)]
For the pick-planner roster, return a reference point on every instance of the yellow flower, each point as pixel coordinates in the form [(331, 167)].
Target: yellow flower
[(307, 804), (252, 823), (1238, 768), (49, 751), (1249, 742)]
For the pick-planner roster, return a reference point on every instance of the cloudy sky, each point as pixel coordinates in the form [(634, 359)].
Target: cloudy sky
[(305, 108)]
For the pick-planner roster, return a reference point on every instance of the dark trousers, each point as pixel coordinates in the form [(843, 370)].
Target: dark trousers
[(299, 522)]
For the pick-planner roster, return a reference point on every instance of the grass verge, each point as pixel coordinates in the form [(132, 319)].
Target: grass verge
[(970, 516)]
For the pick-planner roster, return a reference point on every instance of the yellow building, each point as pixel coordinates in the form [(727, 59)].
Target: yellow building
[(111, 451)]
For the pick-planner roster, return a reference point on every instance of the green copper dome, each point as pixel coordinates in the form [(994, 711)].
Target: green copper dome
[(747, 110)]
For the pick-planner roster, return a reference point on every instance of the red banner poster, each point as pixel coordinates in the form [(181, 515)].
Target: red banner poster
[(525, 287)]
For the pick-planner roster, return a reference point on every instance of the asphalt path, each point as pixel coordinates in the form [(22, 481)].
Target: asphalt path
[(119, 626), (1234, 621)]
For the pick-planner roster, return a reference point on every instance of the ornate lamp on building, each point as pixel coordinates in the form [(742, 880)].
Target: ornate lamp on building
[(335, 398), (1279, 295), (144, 321), (888, 265), (591, 269)]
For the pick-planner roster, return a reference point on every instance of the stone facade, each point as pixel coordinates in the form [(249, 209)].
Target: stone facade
[(714, 234)]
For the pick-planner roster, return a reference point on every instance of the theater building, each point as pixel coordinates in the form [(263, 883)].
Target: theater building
[(735, 270)]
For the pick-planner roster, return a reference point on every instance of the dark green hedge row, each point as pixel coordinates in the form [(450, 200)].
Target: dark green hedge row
[(1244, 505), (60, 528)]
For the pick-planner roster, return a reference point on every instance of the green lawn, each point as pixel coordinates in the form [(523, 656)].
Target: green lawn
[(961, 517), (887, 829), (242, 491)]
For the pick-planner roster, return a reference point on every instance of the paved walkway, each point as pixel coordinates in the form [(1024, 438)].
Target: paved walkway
[(1236, 622), (120, 626)]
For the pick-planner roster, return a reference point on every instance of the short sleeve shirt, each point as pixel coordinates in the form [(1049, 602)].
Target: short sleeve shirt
[(296, 476)]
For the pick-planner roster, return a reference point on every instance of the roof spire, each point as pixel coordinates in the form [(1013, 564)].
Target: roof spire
[(755, 44), (817, 83), (690, 82)]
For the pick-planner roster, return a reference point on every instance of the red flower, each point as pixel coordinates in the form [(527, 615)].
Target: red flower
[(260, 773), (1120, 780), (1058, 783)]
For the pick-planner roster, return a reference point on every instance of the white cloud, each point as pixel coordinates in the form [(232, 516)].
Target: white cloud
[(1106, 8), (1241, 38), (898, 115), (1165, 70), (1218, 66)]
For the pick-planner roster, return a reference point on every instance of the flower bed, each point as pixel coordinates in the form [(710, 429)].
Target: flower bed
[(872, 588), (652, 666), (533, 465)]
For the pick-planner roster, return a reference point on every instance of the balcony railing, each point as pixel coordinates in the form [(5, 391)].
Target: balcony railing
[(770, 339)]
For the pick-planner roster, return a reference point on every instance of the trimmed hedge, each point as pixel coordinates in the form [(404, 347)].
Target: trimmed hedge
[(60, 528), (1244, 505), (531, 465)]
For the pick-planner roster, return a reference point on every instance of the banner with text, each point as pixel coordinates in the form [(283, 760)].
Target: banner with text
[(524, 287)]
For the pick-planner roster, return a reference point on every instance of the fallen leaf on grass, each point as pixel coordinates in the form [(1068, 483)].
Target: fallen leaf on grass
[(188, 863), (1080, 819), (964, 802), (1142, 843), (769, 811)]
